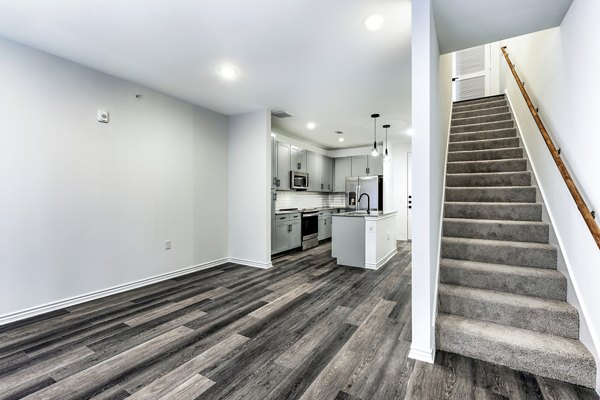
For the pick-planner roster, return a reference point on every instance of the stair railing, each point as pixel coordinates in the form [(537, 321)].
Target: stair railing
[(587, 215)]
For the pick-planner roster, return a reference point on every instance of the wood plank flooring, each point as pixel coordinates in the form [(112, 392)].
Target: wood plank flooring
[(305, 329)]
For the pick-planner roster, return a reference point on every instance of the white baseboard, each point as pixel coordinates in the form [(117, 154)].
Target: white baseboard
[(57, 305), (249, 263), (385, 259), (427, 355)]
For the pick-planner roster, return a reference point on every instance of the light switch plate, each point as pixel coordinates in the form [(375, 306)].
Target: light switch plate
[(168, 245)]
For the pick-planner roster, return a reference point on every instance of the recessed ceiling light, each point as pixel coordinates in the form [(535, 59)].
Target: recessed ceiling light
[(341, 139), (374, 22), (409, 131), (228, 72), (311, 125)]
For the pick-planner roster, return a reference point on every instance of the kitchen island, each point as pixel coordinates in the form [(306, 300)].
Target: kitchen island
[(363, 240)]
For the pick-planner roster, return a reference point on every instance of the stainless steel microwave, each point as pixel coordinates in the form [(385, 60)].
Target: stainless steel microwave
[(298, 180)]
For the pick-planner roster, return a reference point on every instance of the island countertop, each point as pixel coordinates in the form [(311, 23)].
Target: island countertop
[(373, 216)]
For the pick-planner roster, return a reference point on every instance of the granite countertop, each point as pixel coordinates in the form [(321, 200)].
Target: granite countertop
[(279, 212), (363, 214)]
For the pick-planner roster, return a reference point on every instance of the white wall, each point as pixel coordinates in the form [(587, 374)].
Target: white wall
[(399, 164), (560, 68), (432, 96), (86, 206), (250, 188)]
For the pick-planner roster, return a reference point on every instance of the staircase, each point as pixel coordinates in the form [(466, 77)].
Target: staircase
[(501, 298)]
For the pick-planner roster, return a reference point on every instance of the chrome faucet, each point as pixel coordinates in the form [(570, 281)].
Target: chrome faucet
[(368, 202)]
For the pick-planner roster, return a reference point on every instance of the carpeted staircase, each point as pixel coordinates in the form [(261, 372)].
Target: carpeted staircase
[(501, 298)]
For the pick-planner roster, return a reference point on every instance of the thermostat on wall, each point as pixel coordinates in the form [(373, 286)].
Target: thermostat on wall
[(103, 116)]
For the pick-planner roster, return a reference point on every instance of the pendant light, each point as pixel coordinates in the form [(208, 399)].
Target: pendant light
[(374, 153), (386, 155)]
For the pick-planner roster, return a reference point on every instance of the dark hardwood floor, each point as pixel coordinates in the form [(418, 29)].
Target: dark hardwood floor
[(305, 329)]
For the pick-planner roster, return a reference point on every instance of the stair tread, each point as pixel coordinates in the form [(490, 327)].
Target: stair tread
[(523, 245), (486, 150), (490, 187), (482, 131), (502, 268), (485, 174), (511, 299), (515, 348), (485, 141), (482, 116), (493, 97), (487, 161), (498, 221)]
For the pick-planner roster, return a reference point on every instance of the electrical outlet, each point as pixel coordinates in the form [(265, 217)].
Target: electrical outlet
[(103, 116), (168, 245)]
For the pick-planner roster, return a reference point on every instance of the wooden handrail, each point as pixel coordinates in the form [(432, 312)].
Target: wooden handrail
[(583, 208)]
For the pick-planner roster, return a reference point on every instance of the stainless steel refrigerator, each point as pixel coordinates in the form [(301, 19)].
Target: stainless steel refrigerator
[(372, 185)]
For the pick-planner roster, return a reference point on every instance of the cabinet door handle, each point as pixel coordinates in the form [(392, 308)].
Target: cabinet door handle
[(299, 165), (322, 186), (289, 228), (325, 222), (367, 170)]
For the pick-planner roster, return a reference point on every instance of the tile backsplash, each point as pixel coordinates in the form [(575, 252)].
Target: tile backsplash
[(301, 200)]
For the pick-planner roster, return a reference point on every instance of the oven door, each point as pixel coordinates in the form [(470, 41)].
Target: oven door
[(310, 226)]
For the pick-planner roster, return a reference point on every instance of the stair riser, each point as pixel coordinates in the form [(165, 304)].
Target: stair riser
[(535, 233), (492, 195), (535, 319), (498, 134), (479, 100), (480, 119), (478, 113), (563, 368), (480, 106), (553, 289), (481, 155), (489, 179), (498, 253), (503, 143), (482, 127), (484, 166), (521, 212)]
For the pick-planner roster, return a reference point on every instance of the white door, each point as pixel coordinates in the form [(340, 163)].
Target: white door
[(409, 196), (471, 79)]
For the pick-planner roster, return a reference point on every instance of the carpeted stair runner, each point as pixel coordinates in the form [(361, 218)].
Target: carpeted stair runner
[(501, 298)]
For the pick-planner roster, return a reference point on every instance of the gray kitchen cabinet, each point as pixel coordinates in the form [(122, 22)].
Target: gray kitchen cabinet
[(359, 166), (280, 236), (273, 163), (342, 169), (282, 179), (375, 165), (314, 167), (324, 225), (327, 174), (298, 158), (295, 234), (286, 232)]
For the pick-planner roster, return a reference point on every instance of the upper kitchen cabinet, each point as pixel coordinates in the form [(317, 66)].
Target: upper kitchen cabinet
[(327, 174), (298, 159), (314, 166), (342, 169), (375, 165), (282, 168), (359, 166)]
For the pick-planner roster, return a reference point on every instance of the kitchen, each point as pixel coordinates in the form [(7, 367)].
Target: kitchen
[(313, 193)]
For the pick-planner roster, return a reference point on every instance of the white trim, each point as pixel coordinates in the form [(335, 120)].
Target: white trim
[(249, 263), (425, 355), (381, 262), (60, 304), (439, 249)]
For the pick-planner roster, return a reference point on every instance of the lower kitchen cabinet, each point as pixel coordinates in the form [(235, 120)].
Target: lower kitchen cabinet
[(286, 233), (324, 225)]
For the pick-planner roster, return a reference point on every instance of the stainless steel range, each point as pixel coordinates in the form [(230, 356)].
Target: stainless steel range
[(310, 228)]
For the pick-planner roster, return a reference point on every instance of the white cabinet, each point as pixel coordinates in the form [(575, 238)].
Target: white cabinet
[(375, 165), (286, 232), (325, 219), (298, 158), (314, 164), (327, 174), (282, 167), (359, 166), (342, 169)]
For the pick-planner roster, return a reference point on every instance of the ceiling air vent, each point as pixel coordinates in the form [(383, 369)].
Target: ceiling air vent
[(281, 114)]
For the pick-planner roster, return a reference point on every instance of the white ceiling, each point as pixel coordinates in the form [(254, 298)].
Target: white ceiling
[(312, 58), (466, 23)]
